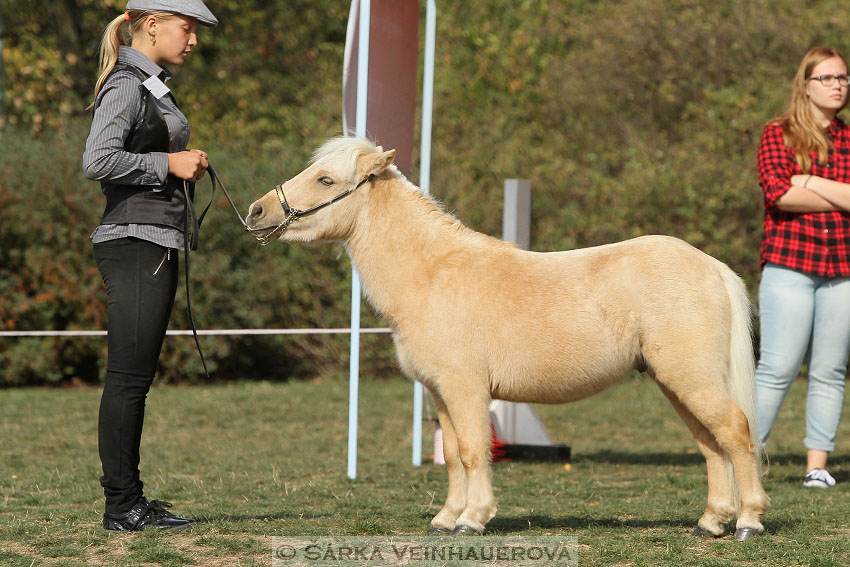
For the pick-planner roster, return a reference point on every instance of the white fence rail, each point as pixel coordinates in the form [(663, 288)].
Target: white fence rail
[(83, 333)]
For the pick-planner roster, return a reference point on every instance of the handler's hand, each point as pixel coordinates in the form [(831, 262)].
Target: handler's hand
[(189, 165)]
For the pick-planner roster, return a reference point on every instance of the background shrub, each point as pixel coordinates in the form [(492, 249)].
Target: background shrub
[(629, 117)]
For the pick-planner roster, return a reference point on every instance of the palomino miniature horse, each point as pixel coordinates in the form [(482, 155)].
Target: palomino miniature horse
[(475, 318)]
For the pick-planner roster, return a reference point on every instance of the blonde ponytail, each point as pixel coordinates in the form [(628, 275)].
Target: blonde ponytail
[(112, 39)]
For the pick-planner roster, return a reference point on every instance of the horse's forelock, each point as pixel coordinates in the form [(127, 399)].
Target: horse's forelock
[(344, 150)]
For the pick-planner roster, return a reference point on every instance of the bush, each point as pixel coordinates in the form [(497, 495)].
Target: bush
[(48, 279), (629, 117)]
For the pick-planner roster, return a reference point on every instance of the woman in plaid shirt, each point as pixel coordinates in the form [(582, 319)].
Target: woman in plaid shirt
[(804, 296)]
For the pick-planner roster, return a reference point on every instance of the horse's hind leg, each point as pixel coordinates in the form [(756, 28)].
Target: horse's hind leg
[(709, 403), (446, 519), (721, 505), (732, 431)]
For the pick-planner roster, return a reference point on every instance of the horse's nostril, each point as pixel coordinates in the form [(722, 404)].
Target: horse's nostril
[(256, 211)]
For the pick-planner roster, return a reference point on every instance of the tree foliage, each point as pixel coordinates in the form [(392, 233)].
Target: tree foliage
[(630, 117)]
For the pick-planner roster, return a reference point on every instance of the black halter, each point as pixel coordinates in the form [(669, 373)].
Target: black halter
[(293, 215)]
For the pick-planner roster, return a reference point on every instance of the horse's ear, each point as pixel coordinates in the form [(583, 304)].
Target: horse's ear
[(379, 162)]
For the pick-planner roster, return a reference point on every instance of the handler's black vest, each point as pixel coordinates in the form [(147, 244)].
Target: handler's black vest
[(140, 204)]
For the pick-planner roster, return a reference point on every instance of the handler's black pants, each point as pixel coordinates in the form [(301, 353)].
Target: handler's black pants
[(141, 281)]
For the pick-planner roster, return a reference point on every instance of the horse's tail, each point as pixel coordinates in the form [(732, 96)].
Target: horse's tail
[(740, 380)]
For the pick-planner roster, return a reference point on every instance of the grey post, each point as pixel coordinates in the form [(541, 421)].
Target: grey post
[(516, 227), (516, 218)]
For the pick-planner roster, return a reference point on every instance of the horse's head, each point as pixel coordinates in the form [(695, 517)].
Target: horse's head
[(321, 202)]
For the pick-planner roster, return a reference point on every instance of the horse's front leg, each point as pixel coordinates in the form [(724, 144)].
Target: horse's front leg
[(470, 421), (446, 519)]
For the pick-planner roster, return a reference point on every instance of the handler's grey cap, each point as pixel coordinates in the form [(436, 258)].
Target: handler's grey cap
[(193, 8)]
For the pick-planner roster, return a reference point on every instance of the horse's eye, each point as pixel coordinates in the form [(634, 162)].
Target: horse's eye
[(326, 181)]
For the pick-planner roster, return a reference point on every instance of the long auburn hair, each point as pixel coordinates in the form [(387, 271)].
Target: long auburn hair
[(114, 36), (800, 130)]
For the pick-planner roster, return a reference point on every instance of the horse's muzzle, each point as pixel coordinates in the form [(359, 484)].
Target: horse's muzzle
[(255, 214), (259, 227)]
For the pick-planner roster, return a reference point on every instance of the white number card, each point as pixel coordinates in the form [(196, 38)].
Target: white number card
[(156, 87)]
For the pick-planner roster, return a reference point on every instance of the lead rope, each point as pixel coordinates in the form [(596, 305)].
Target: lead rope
[(192, 238), (196, 225), (216, 182)]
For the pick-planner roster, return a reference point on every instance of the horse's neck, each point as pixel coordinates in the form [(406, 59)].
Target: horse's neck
[(401, 241)]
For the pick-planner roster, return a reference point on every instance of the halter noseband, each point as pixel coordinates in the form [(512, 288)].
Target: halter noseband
[(293, 215)]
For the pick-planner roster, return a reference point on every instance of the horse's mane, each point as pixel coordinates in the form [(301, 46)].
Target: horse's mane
[(347, 149), (439, 214)]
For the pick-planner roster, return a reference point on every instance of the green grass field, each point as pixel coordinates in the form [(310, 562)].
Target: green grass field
[(257, 460)]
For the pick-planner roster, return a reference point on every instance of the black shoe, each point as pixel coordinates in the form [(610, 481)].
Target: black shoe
[(146, 515)]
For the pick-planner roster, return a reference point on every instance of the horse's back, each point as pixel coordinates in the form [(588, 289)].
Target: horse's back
[(642, 251), (560, 326), (653, 280), (583, 320), (639, 269)]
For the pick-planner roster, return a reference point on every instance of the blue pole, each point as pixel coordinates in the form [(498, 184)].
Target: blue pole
[(360, 130), (425, 186), (418, 395), (428, 97)]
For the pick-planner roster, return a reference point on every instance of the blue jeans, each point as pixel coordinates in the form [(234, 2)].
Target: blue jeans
[(799, 312)]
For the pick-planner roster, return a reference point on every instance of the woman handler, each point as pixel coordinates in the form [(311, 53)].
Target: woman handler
[(137, 150)]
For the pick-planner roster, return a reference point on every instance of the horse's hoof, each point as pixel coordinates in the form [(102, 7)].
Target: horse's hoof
[(699, 532), (461, 529), (743, 534), (433, 530)]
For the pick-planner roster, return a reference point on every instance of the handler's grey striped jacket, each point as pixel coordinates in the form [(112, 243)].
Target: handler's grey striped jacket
[(118, 110)]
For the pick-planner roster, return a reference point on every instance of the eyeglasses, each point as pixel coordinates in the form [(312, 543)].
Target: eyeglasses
[(829, 80)]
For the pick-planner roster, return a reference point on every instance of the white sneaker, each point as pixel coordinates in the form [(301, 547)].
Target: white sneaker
[(818, 478)]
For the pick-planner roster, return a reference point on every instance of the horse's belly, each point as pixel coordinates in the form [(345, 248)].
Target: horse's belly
[(543, 388)]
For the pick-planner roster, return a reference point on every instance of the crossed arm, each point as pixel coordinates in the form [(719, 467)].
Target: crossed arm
[(813, 194), (807, 193)]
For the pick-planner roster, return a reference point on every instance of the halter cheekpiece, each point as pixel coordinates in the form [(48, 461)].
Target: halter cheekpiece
[(293, 215)]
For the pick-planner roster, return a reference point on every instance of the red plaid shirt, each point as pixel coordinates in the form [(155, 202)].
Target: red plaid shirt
[(812, 243)]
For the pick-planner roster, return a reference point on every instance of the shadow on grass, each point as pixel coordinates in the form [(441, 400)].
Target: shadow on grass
[(841, 461), (516, 525), (799, 460), (243, 517), (524, 523), (626, 458)]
